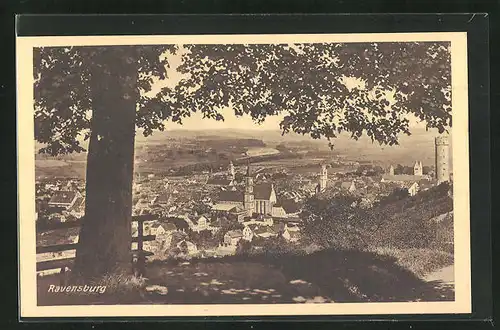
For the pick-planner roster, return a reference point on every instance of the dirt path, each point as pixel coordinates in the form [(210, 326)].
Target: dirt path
[(445, 275), (443, 281)]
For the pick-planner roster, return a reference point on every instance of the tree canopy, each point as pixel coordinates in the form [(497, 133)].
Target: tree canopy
[(63, 89), (321, 89)]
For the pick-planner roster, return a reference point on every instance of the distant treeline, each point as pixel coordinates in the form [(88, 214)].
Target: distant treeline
[(224, 164), (207, 151)]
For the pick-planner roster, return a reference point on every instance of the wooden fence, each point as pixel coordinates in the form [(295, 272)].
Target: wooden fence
[(138, 256)]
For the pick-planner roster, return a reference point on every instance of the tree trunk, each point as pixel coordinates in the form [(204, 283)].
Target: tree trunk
[(105, 236)]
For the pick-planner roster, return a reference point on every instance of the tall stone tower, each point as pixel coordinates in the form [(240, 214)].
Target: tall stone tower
[(323, 179), (248, 202), (391, 170), (442, 144), (232, 172), (418, 168)]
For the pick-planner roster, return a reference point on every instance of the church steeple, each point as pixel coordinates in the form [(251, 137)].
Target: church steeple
[(323, 178), (248, 169), (249, 203), (232, 171)]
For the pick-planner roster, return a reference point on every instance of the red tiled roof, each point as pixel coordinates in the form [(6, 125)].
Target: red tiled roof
[(289, 205), (163, 198), (79, 204), (235, 233), (62, 197), (263, 191), (219, 181), (231, 196), (263, 230)]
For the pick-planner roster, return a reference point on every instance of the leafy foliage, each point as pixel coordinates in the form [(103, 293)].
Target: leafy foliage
[(334, 221), (63, 90), (400, 221), (307, 83)]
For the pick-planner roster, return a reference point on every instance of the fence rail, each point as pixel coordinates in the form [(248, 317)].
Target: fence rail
[(42, 227), (62, 263)]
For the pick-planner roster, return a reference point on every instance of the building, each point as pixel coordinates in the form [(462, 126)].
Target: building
[(200, 223), (232, 237), (349, 186), (180, 223), (391, 170), (291, 235), (64, 199), (248, 197), (323, 179), (399, 178), (162, 229), (418, 174), (442, 145), (164, 233), (247, 234), (78, 208), (264, 198), (286, 208), (265, 232), (163, 200), (187, 247), (256, 198), (411, 187), (418, 169), (278, 211), (219, 182), (232, 172), (231, 211)]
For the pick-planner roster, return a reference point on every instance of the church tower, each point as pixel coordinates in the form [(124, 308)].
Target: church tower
[(418, 168), (232, 172), (323, 179), (249, 203), (442, 144), (391, 170)]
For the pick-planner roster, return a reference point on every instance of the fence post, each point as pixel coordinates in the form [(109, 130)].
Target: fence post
[(141, 259)]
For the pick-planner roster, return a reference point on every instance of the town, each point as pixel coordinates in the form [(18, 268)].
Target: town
[(213, 213)]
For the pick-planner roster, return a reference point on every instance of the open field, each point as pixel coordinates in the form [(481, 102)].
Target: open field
[(260, 151), (418, 146)]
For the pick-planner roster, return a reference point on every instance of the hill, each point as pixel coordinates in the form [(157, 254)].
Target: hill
[(232, 142)]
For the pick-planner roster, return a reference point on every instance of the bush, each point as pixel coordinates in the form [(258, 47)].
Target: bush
[(337, 221)]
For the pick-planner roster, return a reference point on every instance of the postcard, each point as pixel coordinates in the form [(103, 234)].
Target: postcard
[(243, 175)]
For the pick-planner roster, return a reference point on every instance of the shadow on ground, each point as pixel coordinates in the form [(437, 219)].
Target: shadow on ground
[(321, 277)]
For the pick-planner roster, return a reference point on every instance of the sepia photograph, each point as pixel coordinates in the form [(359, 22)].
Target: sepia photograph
[(243, 175)]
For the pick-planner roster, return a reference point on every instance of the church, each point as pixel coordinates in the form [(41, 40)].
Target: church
[(398, 178), (254, 199), (323, 180)]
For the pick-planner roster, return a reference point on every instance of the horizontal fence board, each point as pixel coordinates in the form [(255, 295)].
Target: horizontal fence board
[(54, 264), (145, 238), (77, 223), (69, 262), (144, 217), (56, 248), (58, 225), (72, 246)]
